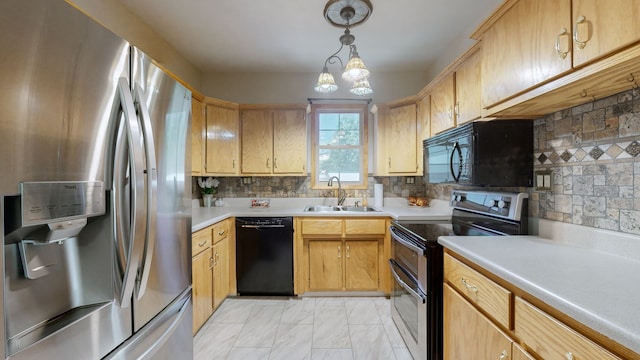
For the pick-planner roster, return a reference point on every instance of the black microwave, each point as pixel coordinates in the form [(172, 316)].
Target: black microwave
[(482, 153)]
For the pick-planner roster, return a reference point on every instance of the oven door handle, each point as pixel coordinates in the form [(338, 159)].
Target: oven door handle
[(419, 295), (418, 250)]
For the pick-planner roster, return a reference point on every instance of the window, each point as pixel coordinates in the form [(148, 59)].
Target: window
[(339, 145)]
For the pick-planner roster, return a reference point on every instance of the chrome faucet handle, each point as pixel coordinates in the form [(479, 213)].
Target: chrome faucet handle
[(357, 203)]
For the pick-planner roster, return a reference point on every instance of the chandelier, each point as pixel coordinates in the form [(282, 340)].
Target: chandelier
[(346, 13)]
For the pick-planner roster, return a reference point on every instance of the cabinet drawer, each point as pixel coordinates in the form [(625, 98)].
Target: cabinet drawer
[(200, 241), (364, 227), (550, 338), (220, 230), (321, 227), (486, 294)]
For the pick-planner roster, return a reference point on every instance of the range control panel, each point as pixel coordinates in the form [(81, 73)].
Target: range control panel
[(507, 205)]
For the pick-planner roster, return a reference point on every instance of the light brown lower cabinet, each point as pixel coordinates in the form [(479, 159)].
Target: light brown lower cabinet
[(211, 276), (552, 339), (220, 254), (468, 334), (336, 265), (484, 319), (342, 254), (202, 282)]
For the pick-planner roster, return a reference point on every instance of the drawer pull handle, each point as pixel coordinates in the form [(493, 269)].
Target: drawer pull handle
[(203, 243), (469, 286), (504, 355), (569, 355), (221, 232)]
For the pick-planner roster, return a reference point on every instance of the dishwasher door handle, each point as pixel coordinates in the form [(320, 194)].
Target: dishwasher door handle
[(261, 226)]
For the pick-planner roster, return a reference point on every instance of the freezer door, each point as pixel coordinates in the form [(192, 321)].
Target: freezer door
[(166, 337), (59, 72), (165, 271)]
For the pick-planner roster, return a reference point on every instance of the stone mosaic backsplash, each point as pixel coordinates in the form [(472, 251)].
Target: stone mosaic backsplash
[(593, 153), (300, 187)]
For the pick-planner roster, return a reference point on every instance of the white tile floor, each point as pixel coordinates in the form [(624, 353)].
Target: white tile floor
[(305, 328)]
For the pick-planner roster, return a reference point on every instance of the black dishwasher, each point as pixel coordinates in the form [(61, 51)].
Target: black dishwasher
[(264, 256)]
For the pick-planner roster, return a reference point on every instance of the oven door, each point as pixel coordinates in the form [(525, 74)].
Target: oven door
[(408, 295)]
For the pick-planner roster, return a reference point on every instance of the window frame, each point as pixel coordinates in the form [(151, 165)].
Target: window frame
[(363, 110)]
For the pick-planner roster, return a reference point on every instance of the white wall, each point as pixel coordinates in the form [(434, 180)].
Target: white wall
[(263, 88), (117, 18)]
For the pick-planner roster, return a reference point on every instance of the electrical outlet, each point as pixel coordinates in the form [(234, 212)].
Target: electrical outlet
[(410, 180)]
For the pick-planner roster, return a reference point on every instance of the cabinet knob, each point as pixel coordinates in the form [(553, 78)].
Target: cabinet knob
[(504, 355), (569, 355)]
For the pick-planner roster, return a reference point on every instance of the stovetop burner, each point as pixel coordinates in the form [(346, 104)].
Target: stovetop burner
[(475, 213)]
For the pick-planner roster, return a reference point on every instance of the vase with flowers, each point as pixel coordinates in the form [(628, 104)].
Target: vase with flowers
[(208, 188)]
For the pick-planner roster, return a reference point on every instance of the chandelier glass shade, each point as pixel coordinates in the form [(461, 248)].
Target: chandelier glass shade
[(326, 83), (361, 88), (346, 13)]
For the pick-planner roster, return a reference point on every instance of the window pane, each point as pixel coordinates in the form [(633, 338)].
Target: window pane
[(343, 163), (339, 129)]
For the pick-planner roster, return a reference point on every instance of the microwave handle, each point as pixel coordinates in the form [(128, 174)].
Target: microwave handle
[(456, 147)]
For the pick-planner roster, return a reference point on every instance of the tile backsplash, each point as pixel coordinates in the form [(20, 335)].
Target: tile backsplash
[(592, 152), (300, 187)]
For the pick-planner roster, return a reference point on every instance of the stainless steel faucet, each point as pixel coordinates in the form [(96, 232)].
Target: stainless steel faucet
[(342, 194)]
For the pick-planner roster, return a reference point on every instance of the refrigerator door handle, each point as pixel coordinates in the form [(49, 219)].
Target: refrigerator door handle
[(128, 231), (150, 210)]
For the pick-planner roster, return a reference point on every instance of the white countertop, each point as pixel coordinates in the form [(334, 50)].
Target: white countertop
[(396, 208), (597, 288)]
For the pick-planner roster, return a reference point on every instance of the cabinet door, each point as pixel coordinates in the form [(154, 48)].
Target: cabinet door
[(201, 277), (257, 141), (325, 264), (468, 334), (401, 133), (605, 26), (289, 142), (518, 353), (220, 272), (519, 49), (223, 131), (468, 90), (197, 136), (361, 265), (442, 106)]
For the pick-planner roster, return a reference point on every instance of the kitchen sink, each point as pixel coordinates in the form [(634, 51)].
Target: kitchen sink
[(322, 208), (328, 208), (359, 208)]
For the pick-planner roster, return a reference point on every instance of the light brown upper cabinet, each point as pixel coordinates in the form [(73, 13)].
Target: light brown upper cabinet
[(540, 56), (524, 48), (443, 115), (223, 141), (468, 89), (274, 142), (602, 27), (197, 135), (401, 136)]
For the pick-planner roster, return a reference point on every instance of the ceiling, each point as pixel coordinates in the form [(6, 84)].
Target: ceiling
[(251, 36)]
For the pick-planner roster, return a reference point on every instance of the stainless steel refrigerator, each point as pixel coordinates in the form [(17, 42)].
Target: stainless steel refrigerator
[(95, 193)]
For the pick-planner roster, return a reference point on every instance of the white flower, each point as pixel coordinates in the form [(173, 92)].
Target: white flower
[(208, 185)]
